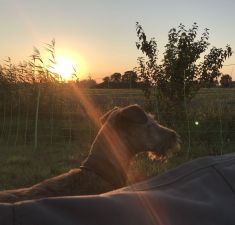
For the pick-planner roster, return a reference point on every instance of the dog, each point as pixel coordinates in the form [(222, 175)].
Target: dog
[(125, 132)]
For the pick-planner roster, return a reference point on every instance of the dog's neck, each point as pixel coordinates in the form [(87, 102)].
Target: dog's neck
[(109, 160)]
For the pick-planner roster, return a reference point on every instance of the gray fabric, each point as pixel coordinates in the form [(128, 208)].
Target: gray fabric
[(198, 192)]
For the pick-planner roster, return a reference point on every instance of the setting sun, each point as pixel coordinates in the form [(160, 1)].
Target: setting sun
[(64, 67)]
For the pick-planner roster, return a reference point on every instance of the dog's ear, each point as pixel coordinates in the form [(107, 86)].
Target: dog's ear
[(132, 113), (106, 115)]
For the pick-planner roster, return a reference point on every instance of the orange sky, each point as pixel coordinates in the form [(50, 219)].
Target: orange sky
[(99, 37)]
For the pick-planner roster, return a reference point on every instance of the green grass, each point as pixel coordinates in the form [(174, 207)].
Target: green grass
[(66, 142), (21, 167)]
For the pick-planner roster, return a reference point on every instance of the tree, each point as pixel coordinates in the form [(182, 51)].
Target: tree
[(180, 75), (87, 83), (106, 81), (146, 70), (115, 78), (226, 81), (213, 62), (129, 79)]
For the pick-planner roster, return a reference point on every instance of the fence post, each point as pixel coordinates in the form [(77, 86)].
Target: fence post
[(187, 116), (18, 121), (10, 125), (220, 123), (26, 125), (36, 118), (4, 119), (52, 122)]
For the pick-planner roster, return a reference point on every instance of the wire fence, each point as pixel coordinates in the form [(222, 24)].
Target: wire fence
[(208, 122), (60, 117)]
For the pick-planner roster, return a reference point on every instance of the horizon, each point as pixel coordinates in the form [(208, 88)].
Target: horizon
[(99, 38)]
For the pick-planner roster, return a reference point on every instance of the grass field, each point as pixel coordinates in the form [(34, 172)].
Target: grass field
[(64, 141)]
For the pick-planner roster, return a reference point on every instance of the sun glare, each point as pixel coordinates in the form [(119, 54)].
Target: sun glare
[(64, 67)]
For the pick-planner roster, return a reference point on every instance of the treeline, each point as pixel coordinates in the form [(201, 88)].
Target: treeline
[(127, 80), (117, 80), (130, 80)]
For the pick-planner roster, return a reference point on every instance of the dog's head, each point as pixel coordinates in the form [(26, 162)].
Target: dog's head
[(140, 132)]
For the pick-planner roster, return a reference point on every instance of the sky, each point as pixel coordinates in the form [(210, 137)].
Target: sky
[(98, 36)]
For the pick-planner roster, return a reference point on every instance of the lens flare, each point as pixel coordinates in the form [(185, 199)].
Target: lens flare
[(112, 140)]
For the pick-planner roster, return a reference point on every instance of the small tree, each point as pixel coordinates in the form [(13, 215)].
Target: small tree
[(87, 83), (180, 75), (129, 79), (106, 79), (115, 78), (226, 81)]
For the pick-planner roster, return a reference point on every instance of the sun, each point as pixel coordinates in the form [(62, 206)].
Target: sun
[(64, 67)]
